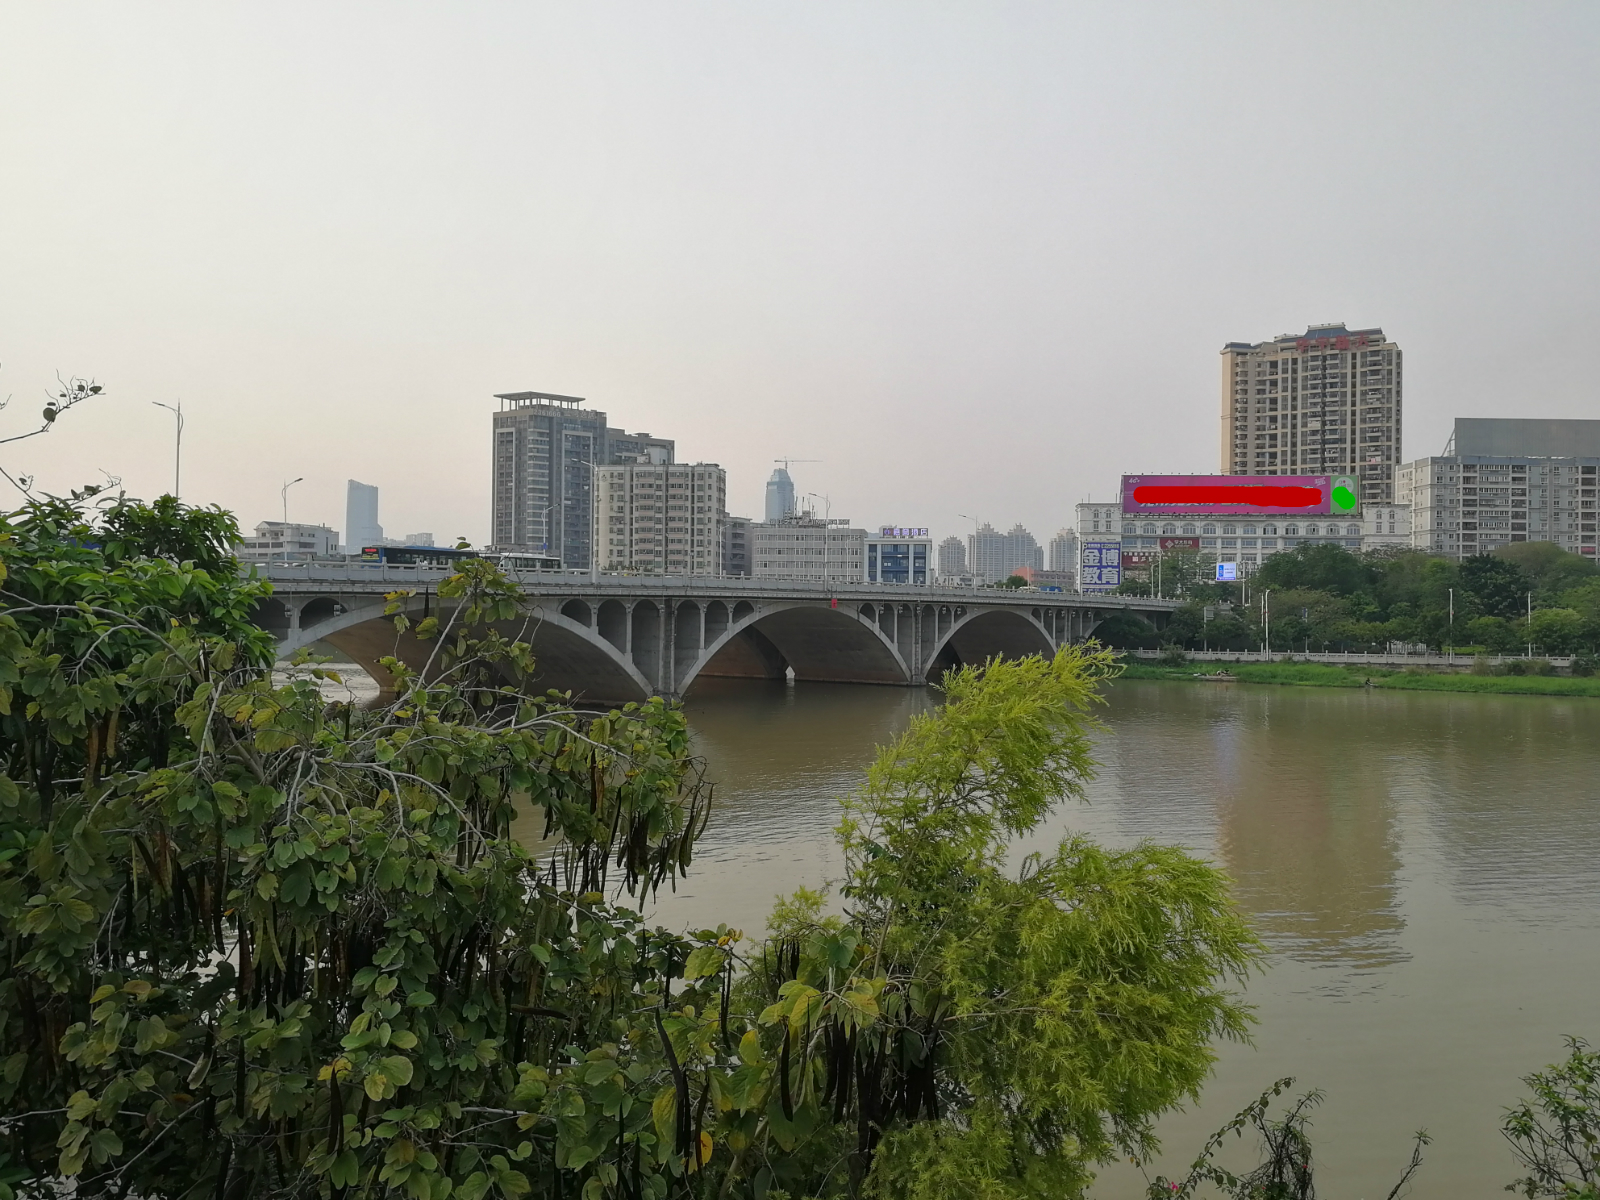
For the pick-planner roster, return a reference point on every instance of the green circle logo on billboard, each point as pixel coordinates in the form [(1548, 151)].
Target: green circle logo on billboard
[(1344, 494)]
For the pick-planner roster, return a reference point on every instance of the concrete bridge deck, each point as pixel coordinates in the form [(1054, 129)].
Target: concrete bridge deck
[(619, 638)]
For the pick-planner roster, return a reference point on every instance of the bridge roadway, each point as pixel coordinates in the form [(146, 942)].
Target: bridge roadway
[(623, 638)]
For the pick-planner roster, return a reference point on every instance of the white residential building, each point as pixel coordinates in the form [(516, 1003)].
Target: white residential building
[(1503, 480), (278, 542), (1064, 551), (661, 518)]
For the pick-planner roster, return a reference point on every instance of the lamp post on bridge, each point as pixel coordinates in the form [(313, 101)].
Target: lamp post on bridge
[(177, 456), (283, 494)]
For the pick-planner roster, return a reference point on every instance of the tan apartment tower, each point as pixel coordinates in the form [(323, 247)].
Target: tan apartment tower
[(1324, 402)]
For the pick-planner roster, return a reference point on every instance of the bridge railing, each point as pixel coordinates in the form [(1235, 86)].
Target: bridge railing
[(383, 576)]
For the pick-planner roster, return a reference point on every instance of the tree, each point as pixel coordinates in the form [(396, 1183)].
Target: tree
[(68, 394), (1551, 569), (1556, 1134), (1125, 631), (1497, 584), (1322, 567), (254, 945), (1556, 630), (972, 1029), (1494, 634)]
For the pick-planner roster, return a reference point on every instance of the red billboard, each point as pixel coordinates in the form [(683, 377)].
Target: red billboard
[(1238, 495)]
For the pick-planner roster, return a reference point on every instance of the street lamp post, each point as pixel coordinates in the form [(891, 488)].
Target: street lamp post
[(177, 457), (283, 493)]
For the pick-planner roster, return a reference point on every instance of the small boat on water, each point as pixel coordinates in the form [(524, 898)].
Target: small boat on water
[(1219, 677)]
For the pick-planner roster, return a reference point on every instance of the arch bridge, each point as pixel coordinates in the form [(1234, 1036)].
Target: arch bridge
[(623, 638)]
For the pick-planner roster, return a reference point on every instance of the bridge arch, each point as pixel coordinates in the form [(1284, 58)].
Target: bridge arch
[(818, 642), (976, 637)]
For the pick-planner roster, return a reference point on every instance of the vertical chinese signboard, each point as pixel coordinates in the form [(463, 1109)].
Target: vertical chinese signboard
[(1099, 566)]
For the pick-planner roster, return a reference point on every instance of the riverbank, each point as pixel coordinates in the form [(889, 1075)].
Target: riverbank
[(1320, 675)]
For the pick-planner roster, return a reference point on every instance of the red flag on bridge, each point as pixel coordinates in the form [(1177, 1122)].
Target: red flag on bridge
[(834, 603)]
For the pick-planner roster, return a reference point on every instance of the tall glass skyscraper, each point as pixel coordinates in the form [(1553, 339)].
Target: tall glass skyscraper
[(780, 496)]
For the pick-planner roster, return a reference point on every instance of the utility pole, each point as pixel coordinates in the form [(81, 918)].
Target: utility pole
[(1530, 624), (177, 457)]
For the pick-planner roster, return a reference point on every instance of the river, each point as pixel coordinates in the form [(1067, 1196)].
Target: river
[(1424, 867)]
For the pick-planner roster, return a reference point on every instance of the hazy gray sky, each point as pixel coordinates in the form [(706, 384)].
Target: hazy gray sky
[(977, 257)]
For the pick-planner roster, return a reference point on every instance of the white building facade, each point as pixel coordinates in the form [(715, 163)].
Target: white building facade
[(661, 518), (276, 541), (1506, 480), (808, 549)]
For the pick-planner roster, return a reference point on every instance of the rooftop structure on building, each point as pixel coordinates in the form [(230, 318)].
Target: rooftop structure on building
[(1503, 480), (1327, 401), (546, 450)]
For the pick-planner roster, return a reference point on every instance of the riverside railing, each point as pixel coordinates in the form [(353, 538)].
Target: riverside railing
[(1356, 658)]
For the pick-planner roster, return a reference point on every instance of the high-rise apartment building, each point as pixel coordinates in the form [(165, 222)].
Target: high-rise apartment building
[(546, 451), (780, 496), (952, 557), (662, 518), (1064, 551), (1506, 480), (994, 556), (361, 526), (1323, 402)]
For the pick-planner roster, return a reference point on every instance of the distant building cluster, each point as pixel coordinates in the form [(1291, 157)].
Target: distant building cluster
[(1311, 430)]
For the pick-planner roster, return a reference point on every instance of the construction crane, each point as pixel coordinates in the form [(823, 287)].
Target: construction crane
[(787, 461)]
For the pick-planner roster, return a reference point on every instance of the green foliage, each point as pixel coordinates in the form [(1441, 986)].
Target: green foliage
[(977, 1030), (1498, 584), (1556, 1134), (255, 945), (1551, 569), (172, 530), (1318, 568)]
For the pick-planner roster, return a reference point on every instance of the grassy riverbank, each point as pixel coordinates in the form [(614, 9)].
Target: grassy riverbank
[(1324, 675)]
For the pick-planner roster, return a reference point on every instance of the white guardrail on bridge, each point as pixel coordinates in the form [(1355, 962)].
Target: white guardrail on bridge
[(382, 576)]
